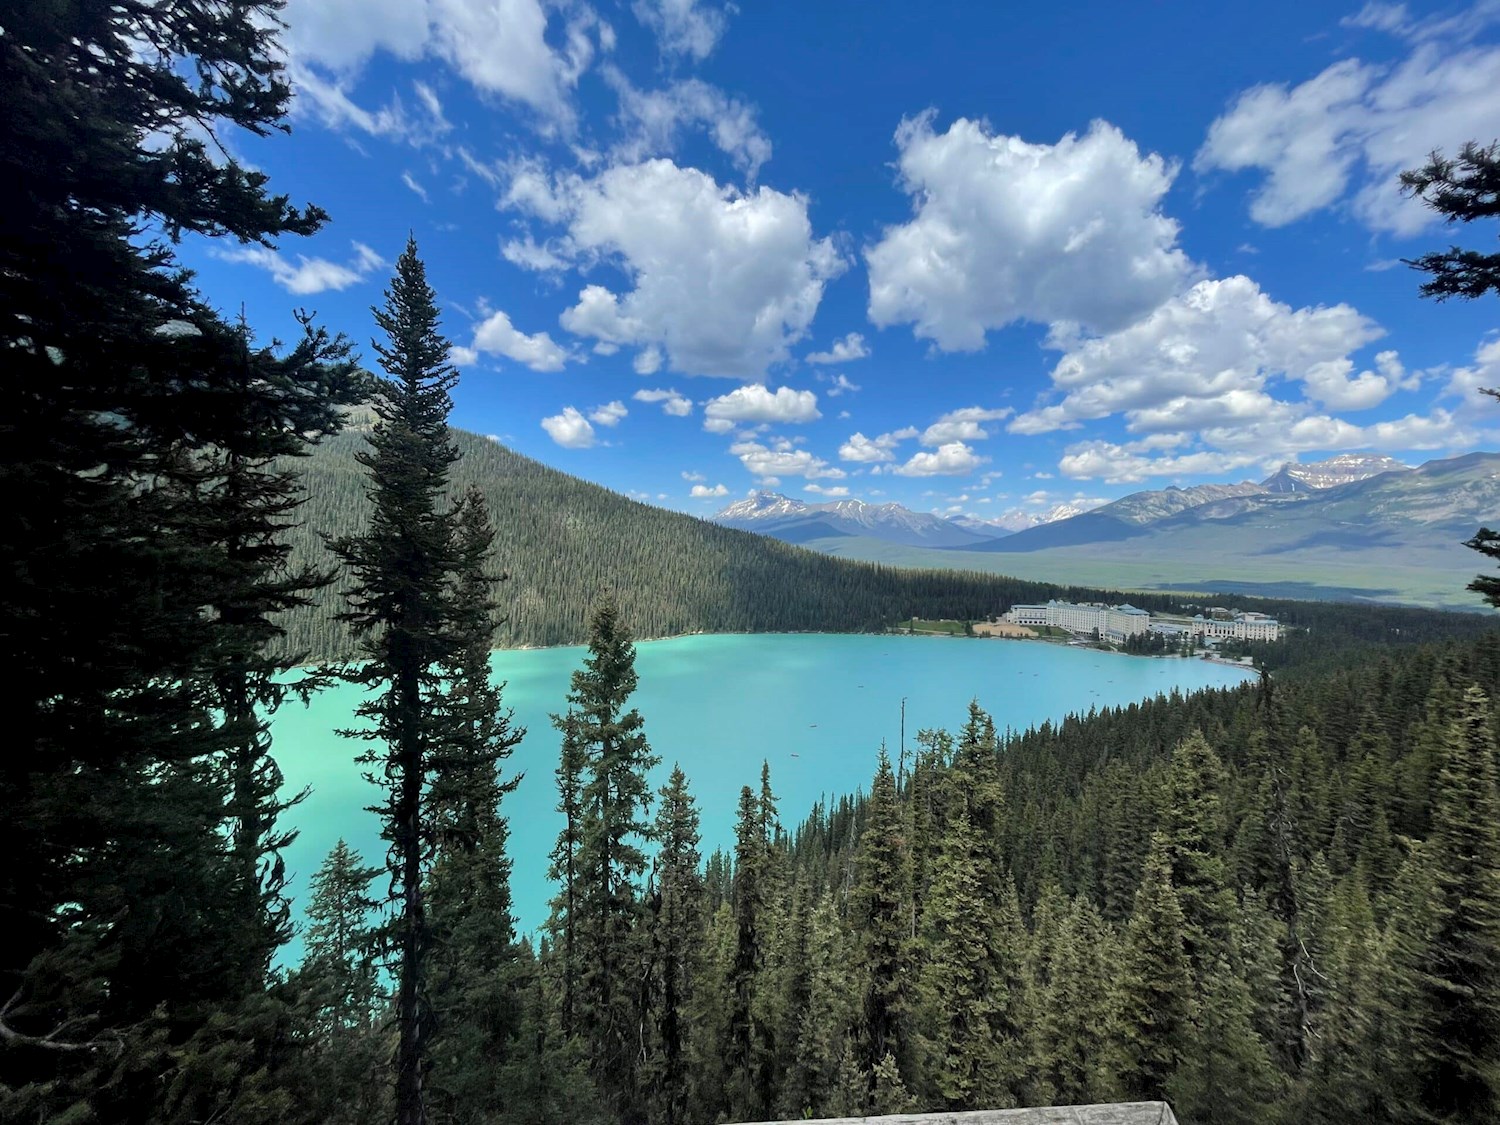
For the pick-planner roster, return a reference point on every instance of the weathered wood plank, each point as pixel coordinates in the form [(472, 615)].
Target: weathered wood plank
[(1120, 1113)]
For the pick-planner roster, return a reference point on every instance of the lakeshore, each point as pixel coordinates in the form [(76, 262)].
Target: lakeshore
[(816, 706)]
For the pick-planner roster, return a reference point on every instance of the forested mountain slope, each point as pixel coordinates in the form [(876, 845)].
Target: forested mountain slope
[(564, 542)]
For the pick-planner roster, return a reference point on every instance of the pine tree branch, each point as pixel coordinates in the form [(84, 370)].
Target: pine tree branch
[(53, 1040)]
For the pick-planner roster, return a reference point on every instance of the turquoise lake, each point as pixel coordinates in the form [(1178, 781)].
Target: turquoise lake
[(816, 706)]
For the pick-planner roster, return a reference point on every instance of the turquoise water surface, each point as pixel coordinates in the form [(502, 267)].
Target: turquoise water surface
[(816, 706)]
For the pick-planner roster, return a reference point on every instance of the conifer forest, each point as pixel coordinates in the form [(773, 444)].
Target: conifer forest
[(1278, 903)]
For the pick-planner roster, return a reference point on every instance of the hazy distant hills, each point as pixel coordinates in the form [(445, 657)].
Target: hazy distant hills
[(1354, 527), (1063, 525), (1018, 520), (796, 521), (1351, 501)]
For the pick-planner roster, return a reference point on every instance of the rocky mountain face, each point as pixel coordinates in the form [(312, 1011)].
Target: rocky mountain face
[(1346, 468), (1012, 522), (1148, 507), (797, 521), (1376, 505)]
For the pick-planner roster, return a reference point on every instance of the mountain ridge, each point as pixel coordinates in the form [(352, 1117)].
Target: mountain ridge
[(1383, 497), (783, 517)]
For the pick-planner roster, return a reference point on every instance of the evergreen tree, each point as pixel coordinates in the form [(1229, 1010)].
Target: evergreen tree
[(677, 926), (1154, 991), (971, 1000), (245, 495), (879, 911), (1456, 971), (339, 980), (401, 606), (1461, 189), (1193, 821), (563, 869), (811, 1086), (609, 856), (746, 1093), (1073, 1015), (1343, 1078), (975, 784), (474, 973), (137, 431)]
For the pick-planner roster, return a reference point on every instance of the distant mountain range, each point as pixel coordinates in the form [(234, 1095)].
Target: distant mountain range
[(1015, 521), (1346, 468), (1350, 492), (1357, 526), (796, 521), (799, 521)]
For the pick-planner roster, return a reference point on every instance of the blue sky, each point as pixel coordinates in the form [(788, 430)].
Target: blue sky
[(968, 257)]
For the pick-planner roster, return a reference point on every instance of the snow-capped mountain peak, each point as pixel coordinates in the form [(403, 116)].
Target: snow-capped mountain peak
[(788, 518), (1020, 520), (1344, 468), (762, 504)]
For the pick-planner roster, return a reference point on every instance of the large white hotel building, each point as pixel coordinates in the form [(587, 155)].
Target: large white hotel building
[(1116, 622), (1112, 621)]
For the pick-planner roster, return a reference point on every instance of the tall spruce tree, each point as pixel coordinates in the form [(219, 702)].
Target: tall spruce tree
[(970, 1009), (339, 983), (563, 869), (129, 430), (1154, 986), (475, 972), (609, 857), (1456, 971), (1195, 831), (744, 1095), (1072, 1017), (879, 909), (677, 925), (247, 494), (401, 606)]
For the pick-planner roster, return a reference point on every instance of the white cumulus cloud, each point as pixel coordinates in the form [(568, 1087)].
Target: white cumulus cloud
[(847, 350), (308, 275), (677, 405), (1333, 383), (783, 461), (953, 459), (1203, 356), (1469, 382), (570, 429), (876, 449), (754, 403), (723, 282), (527, 51), (963, 425), (496, 335), (1355, 126), (703, 492), (608, 414), (1005, 230)]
